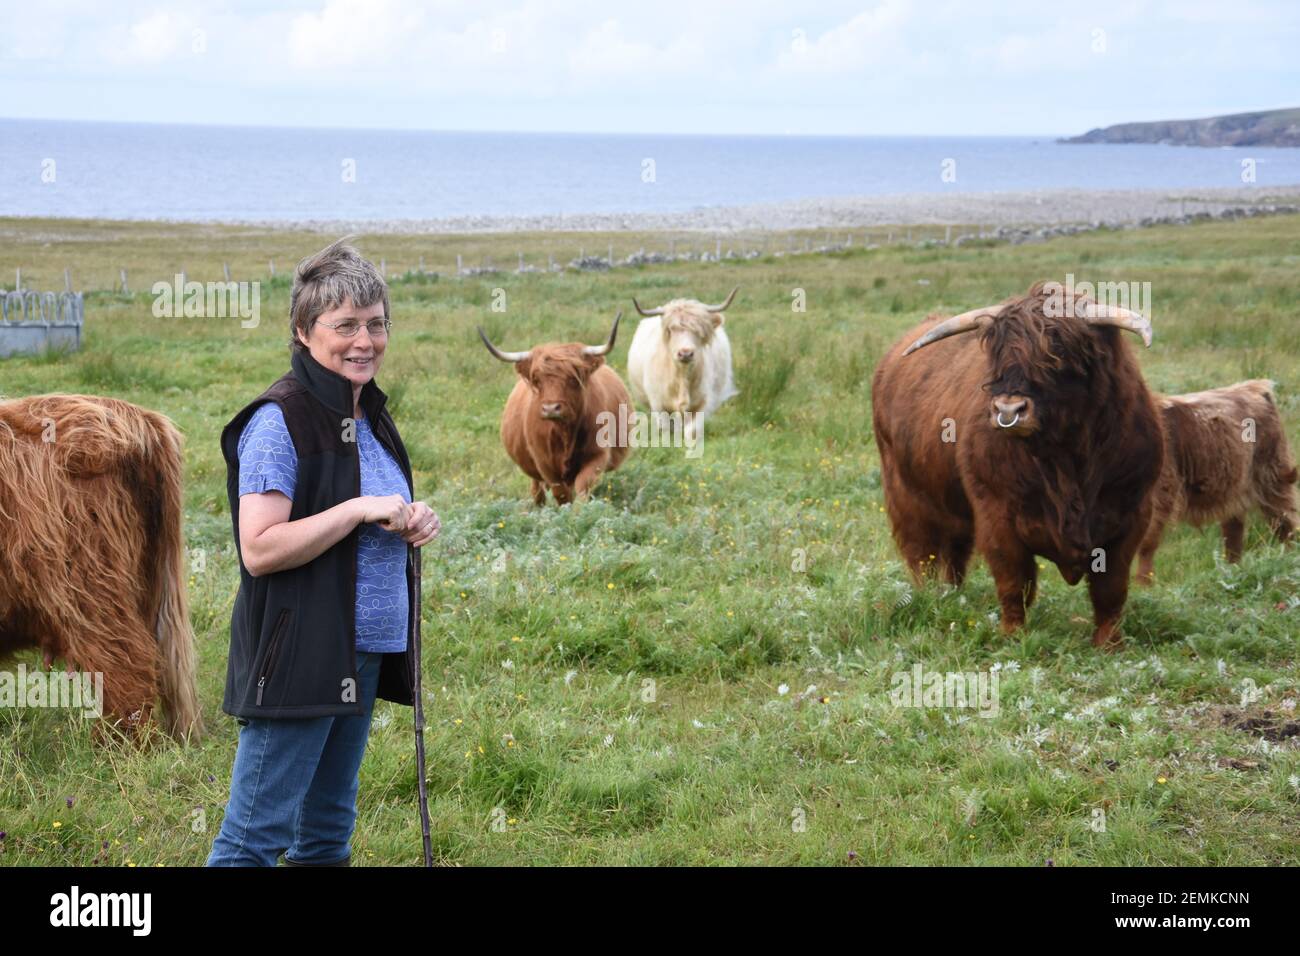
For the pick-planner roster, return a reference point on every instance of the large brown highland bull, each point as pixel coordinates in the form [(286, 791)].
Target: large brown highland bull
[(1037, 436), (1225, 453)]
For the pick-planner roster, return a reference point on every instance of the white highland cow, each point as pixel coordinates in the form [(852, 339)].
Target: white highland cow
[(679, 364)]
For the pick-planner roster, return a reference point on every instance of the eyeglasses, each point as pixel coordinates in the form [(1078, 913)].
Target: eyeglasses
[(378, 328)]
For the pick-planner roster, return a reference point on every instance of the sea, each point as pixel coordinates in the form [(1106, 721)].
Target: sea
[(235, 173)]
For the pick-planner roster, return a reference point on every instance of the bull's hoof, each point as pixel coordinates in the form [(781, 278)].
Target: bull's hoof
[(1107, 639)]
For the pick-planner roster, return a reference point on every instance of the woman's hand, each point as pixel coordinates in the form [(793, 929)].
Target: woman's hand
[(422, 525), (390, 512)]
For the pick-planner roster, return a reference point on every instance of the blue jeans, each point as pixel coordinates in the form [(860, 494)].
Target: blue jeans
[(293, 788)]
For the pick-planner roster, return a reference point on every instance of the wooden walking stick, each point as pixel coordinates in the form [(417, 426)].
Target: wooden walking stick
[(419, 715)]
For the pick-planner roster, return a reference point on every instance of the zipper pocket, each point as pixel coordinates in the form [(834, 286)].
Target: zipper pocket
[(280, 623)]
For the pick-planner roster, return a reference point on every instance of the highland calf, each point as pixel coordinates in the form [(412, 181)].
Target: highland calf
[(1225, 453)]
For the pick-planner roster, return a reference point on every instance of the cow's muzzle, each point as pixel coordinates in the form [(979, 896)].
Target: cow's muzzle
[(1014, 413)]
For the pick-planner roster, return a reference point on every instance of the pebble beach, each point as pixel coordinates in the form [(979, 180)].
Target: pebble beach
[(1053, 207)]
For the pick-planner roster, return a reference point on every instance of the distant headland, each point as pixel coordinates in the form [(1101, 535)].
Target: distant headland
[(1269, 128)]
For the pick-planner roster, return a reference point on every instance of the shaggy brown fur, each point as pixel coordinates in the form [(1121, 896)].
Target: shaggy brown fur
[(91, 558), (1217, 468), (1080, 480), (563, 454)]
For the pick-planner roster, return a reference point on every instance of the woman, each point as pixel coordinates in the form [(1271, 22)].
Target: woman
[(320, 495)]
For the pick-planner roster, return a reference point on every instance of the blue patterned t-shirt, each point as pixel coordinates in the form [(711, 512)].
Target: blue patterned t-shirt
[(268, 462)]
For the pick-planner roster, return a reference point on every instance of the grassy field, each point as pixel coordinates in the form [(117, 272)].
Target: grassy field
[(606, 684)]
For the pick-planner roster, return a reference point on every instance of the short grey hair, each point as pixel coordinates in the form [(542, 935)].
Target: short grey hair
[(325, 280)]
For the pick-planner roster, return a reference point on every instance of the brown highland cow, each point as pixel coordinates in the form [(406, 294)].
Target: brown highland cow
[(92, 554)]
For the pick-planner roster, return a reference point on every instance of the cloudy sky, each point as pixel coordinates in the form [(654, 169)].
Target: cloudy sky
[(938, 67)]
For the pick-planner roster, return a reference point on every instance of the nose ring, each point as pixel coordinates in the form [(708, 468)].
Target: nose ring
[(1010, 424)]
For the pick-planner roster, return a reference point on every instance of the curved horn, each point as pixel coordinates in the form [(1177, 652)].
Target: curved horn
[(1094, 313), (966, 322), (648, 313), (604, 349), (503, 356), (723, 307)]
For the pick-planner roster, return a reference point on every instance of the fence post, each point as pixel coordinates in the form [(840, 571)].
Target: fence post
[(272, 268), (458, 264), (67, 279), (125, 290), (225, 268)]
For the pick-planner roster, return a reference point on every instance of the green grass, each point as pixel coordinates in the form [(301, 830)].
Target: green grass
[(605, 681)]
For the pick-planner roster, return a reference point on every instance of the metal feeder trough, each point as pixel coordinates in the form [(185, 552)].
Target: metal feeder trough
[(32, 322)]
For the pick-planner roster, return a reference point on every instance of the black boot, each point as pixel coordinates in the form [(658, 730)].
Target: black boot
[(346, 861)]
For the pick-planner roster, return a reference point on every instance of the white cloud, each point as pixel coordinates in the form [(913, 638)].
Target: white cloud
[(871, 38), (605, 51), (370, 33)]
